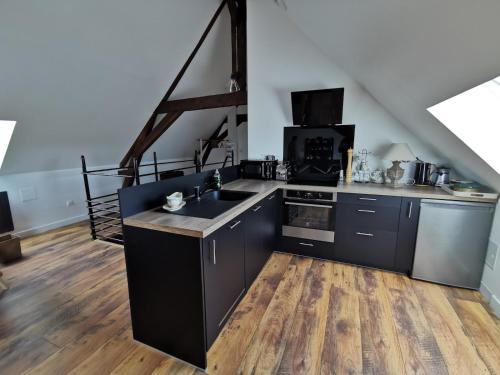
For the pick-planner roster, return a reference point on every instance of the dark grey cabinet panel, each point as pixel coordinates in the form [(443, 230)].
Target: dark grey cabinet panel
[(369, 199), (260, 237), (367, 248), (315, 249), (407, 234), (369, 217), (367, 230), (224, 273), (166, 292), (272, 218)]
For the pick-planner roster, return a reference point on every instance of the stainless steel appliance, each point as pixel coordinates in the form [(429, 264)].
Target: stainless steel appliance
[(259, 169), (283, 172), (452, 240), (317, 154), (441, 176), (309, 215), (423, 172)]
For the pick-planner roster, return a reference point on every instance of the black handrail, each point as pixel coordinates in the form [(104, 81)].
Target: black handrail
[(100, 208)]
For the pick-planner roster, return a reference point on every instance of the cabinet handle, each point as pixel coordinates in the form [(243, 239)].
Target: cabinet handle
[(364, 234), (367, 199), (213, 252), (366, 211), (271, 197), (235, 225), (257, 208), (306, 244), (409, 209)]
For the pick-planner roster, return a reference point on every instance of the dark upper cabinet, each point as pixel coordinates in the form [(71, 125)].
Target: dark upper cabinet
[(260, 238), (224, 273), (407, 234)]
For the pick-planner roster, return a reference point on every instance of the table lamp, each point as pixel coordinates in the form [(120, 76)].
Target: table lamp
[(397, 153)]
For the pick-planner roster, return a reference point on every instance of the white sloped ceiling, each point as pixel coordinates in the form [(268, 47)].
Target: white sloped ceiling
[(83, 77), (411, 55)]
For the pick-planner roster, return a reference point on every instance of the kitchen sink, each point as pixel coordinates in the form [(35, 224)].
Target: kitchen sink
[(228, 195), (213, 203)]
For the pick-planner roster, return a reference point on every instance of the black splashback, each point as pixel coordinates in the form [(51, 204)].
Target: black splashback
[(141, 198), (6, 223), (317, 154)]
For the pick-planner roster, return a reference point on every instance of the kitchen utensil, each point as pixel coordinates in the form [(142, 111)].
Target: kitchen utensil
[(423, 172), (470, 190), (377, 176), (441, 176)]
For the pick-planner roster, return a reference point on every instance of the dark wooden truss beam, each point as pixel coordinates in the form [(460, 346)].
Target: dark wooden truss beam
[(173, 109), (204, 102)]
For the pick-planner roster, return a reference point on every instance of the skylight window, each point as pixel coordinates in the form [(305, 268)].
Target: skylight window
[(474, 117), (6, 130)]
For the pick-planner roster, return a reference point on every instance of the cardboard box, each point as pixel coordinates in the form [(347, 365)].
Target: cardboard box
[(10, 248)]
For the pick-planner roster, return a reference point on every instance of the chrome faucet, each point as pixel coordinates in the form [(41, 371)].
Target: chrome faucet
[(198, 191)]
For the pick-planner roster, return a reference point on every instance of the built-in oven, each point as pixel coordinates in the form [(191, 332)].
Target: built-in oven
[(309, 215)]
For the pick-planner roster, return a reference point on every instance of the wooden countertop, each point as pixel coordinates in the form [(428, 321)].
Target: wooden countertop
[(201, 228)]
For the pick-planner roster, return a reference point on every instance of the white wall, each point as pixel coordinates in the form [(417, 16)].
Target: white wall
[(53, 190), (83, 77), (282, 59)]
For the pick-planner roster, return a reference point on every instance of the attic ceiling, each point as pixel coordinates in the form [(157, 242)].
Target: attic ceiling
[(84, 77), (411, 55)]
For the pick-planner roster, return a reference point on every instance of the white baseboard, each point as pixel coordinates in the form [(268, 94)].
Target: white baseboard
[(493, 300), (495, 305), (486, 292), (50, 226)]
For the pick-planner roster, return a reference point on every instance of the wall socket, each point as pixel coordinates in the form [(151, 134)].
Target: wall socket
[(491, 255), (27, 194)]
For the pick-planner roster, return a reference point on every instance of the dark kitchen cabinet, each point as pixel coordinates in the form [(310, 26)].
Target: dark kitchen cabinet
[(367, 230), (260, 237), (224, 273), (407, 234), (272, 217)]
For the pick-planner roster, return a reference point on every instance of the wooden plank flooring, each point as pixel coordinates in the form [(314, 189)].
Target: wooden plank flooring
[(67, 313)]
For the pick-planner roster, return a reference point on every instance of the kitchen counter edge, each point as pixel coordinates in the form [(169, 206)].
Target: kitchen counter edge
[(201, 228)]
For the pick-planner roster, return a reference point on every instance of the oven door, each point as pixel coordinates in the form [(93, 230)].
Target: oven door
[(309, 220)]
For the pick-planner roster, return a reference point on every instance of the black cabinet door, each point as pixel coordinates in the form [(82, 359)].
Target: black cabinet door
[(366, 248), (255, 248), (272, 218), (260, 239), (366, 234), (224, 272), (407, 234)]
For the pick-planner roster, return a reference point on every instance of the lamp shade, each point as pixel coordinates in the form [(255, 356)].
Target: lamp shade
[(399, 152)]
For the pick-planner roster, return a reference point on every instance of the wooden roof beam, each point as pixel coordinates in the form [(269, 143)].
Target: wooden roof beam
[(204, 102)]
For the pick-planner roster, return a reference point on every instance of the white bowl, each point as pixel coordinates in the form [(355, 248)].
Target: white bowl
[(174, 200)]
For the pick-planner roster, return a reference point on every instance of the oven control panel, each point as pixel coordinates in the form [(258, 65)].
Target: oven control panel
[(309, 195)]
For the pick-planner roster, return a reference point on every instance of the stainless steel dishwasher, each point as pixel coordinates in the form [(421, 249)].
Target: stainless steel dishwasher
[(452, 240)]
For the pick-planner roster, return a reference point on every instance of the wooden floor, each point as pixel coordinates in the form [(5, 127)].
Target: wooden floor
[(67, 312)]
